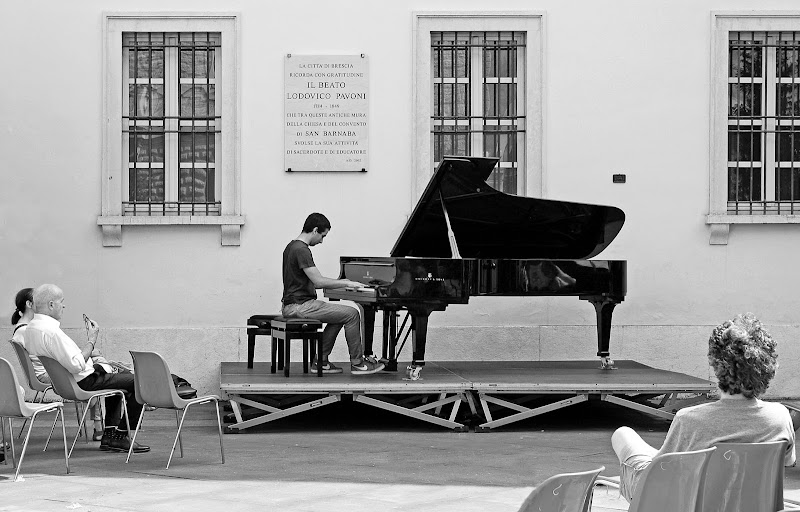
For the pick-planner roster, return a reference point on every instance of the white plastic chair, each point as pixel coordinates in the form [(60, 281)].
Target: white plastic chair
[(65, 385), (745, 476), (13, 405), (565, 492), (673, 482), (154, 387)]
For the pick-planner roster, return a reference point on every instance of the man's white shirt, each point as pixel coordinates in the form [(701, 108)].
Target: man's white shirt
[(44, 337)]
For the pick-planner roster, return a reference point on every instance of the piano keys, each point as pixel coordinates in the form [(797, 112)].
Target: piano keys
[(464, 238)]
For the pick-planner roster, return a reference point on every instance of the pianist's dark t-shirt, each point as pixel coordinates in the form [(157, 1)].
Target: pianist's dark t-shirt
[(297, 287)]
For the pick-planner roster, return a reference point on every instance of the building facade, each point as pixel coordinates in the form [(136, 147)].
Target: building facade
[(144, 156)]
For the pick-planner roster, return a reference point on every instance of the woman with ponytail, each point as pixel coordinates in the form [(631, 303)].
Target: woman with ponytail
[(23, 314)]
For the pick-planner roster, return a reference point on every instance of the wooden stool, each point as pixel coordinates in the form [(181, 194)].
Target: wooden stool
[(284, 330), (257, 325)]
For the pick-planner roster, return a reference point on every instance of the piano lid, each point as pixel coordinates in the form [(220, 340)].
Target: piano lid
[(488, 223)]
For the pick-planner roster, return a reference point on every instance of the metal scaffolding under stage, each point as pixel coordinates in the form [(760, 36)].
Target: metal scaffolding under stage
[(498, 392)]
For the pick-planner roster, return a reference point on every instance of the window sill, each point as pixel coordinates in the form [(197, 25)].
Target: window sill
[(721, 224), (230, 225)]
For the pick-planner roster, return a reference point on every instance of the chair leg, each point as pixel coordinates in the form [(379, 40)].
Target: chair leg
[(52, 429), (80, 427), (219, 427), (251, 347), (180, 439), (287, 355), (318, 343), (133, 439), (125, 410), (60, 411), (24, 446), (180, 425), (77, 412), (11, 438), (26, 419), (273, 353), (3, 432)]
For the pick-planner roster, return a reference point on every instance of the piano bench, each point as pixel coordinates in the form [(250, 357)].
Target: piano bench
[(257, 325), (284, 330)]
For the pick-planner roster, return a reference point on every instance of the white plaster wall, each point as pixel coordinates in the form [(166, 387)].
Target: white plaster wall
[(626, 91)]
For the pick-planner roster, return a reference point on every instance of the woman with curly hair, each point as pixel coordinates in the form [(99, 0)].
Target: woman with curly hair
[(742, 354)]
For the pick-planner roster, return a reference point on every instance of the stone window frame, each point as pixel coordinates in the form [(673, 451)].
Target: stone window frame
[(531, 22), (722, 23), (114, 163)]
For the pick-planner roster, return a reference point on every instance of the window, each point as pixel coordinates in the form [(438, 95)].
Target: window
[(478, 91), (171, 122), (171, 143), (763, 127), (755, 168)]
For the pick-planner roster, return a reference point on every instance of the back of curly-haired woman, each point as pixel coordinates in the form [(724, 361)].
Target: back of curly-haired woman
[(742, 354)]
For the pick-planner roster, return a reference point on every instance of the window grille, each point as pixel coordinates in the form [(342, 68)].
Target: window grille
[(763, 123), (478, 100), (171, 124)]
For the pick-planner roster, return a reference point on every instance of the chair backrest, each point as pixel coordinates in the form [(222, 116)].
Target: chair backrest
[(673, 482), (63, 381), (27, 367), (565, 492), (153, 381), (745, 476), (12, 401)]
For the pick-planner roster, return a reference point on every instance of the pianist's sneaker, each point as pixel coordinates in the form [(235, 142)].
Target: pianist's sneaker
[(366, 367), (326, 368)]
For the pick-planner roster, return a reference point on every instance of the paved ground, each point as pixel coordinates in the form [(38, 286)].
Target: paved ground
[(342, 457)]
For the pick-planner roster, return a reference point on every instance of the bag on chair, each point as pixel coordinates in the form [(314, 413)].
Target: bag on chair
[(183, 388)]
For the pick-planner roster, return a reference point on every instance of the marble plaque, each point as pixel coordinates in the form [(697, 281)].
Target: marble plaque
[(326, 113)]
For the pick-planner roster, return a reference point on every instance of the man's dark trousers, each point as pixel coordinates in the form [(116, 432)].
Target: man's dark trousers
[(101, 380)]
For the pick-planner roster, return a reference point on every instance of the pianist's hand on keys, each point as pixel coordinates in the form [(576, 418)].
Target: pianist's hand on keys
[(354, 285)]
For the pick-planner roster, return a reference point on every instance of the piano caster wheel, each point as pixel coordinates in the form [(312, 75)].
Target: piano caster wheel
[(606, 363), (413, 373)]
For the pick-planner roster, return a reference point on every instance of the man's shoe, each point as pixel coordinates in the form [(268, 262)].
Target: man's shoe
[(120, 442), (326, 368), (366, 367), (105, 439), (97, 435)]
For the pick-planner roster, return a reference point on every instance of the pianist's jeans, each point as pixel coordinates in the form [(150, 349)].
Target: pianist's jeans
[(334, 316)]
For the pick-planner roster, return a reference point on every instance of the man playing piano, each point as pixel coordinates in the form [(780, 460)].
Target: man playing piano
[(301, 278)]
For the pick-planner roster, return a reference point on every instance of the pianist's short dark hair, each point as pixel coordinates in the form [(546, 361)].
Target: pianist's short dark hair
[(316, 220), (743, 356)]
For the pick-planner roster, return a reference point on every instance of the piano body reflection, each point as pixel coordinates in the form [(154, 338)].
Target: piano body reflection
[(464, 238)]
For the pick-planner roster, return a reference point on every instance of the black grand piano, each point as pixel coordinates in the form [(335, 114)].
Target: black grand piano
[(465, 238)]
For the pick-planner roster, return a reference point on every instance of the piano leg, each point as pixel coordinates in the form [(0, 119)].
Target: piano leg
[(604, 308), (419, 334), (389, 358)]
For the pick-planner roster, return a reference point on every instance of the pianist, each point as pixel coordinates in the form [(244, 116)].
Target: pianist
[(742, 355), (301, 278)]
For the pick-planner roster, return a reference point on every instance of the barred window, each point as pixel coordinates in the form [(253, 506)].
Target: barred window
[(763, 123), (479, 100), (171, 123)]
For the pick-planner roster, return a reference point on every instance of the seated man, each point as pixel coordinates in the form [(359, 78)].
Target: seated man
[(743, 357), (44, 337), (22, 315), (301, 278)]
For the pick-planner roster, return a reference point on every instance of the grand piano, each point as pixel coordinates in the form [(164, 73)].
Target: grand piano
[(464, 239)]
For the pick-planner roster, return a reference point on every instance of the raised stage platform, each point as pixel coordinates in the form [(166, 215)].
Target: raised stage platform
[(496, 392)]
